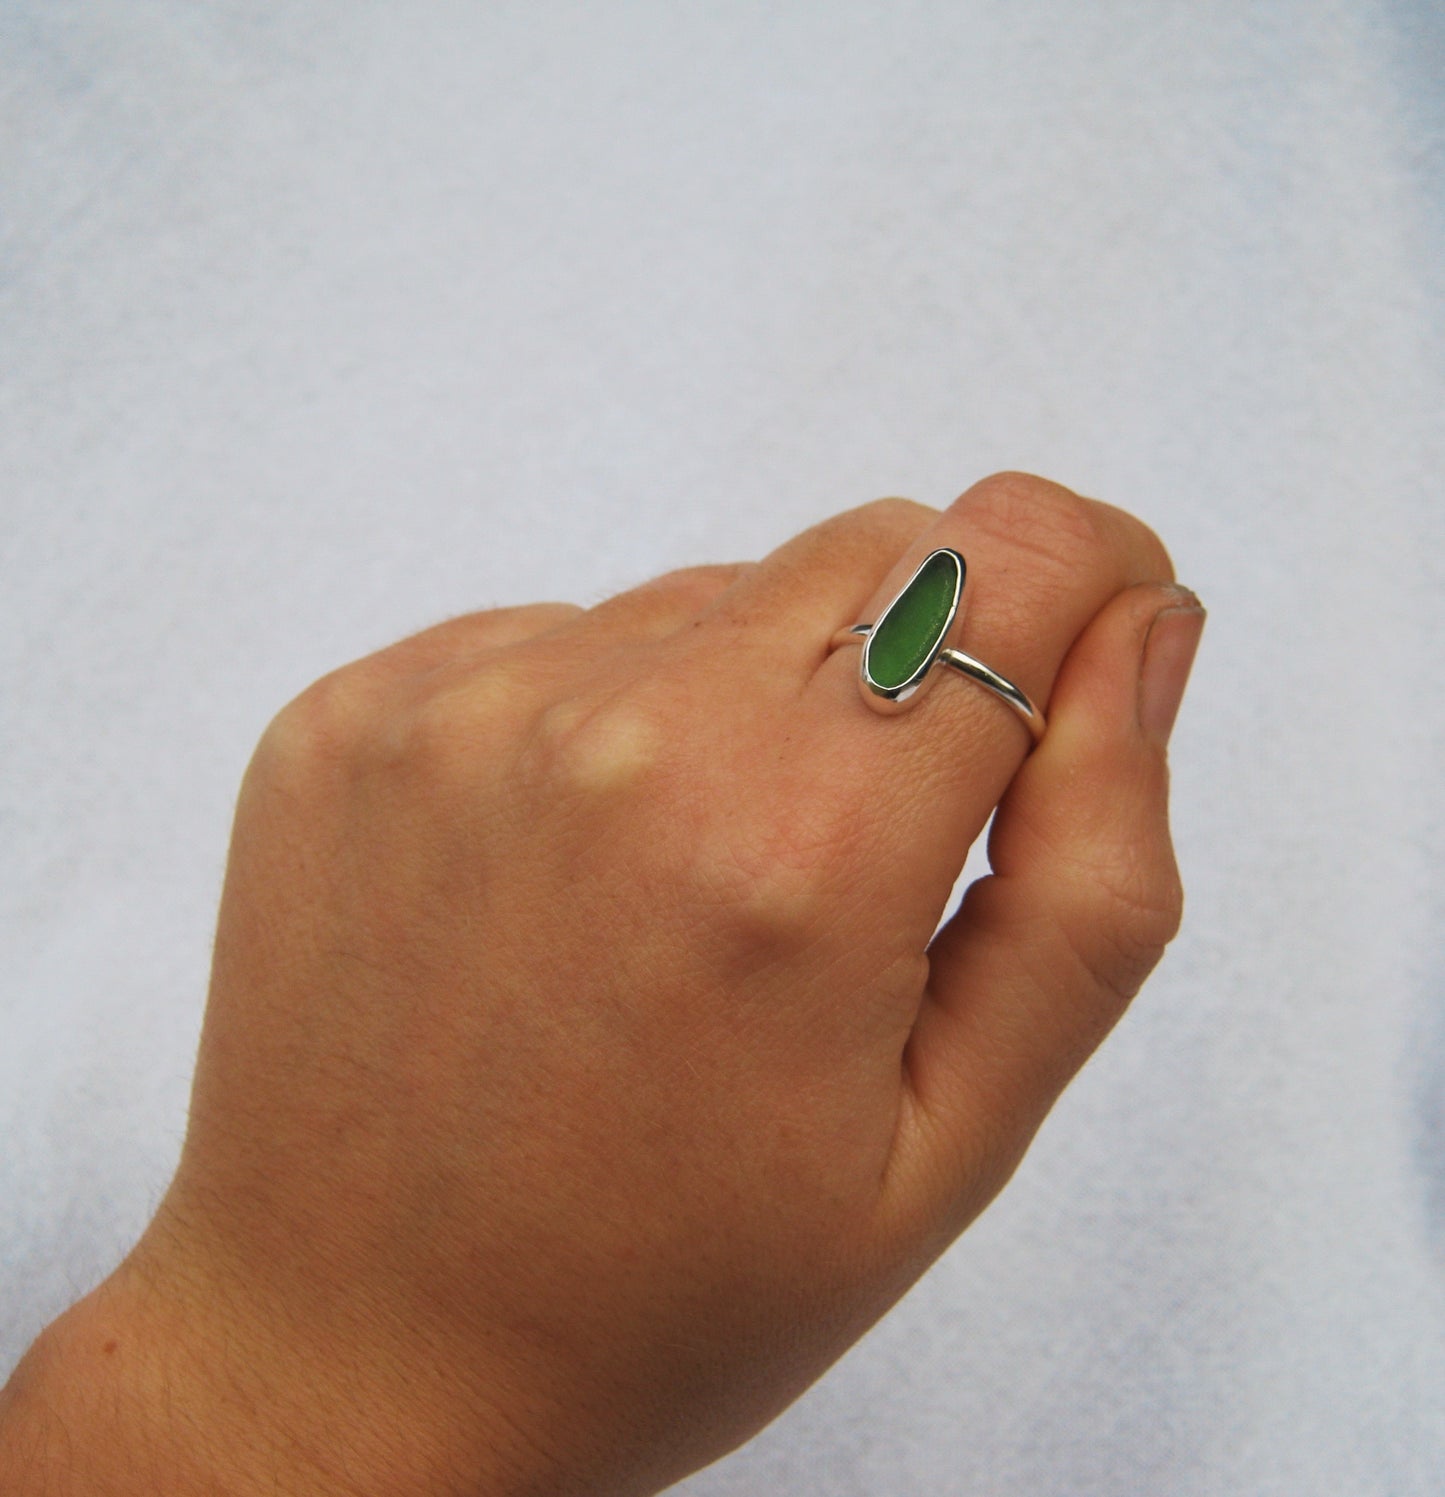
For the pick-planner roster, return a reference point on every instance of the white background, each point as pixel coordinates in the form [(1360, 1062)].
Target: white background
[(321, 322)]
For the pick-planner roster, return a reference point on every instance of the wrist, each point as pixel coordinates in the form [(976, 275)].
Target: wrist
[(100, 1404), (142, 1387), (119, 1397)]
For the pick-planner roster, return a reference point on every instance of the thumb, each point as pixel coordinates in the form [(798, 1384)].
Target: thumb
[(1044, 954)]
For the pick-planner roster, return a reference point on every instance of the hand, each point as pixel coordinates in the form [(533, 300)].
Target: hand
[(578, 1080)]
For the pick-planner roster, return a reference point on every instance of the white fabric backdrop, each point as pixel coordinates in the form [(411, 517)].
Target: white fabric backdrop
[(319, 323)]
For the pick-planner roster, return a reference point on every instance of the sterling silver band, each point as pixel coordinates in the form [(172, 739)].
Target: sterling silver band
[(975, 670)]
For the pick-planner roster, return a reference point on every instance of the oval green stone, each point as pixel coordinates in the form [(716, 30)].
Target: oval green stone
[(915, 622)]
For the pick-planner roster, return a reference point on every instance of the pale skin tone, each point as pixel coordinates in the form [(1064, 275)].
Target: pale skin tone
[(578, 1080)]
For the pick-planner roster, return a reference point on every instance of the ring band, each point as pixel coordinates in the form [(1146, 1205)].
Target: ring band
[(909, 639)]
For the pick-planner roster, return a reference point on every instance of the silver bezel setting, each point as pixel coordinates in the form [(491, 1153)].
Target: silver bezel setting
[(889, 700)]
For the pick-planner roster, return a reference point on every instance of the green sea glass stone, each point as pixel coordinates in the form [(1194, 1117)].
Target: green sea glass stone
[(915, 622)]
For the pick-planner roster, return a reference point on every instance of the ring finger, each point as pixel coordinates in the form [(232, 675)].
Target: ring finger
[(1041, 562)]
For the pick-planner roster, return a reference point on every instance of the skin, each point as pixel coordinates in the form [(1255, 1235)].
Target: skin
[(578, 1080)]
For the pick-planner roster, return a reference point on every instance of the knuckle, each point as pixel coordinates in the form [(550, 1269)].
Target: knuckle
[(448, 729), (1056, 527), (1145, 901), (699, 585), (880, 528), (457, 727), (687, 592), (893, 514), (860, 536), (773, 881), (583, 749), (324, 725), (1143, 540), (1136, 911), (766, 908), (499, 628), (1123, 961), (673, 595)]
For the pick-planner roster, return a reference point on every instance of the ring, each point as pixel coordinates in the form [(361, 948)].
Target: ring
[(901, 649)]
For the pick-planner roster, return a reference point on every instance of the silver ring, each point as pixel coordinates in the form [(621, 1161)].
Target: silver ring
[(910, 638)]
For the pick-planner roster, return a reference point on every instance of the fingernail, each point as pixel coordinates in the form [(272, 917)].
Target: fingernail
[(1169, 649)]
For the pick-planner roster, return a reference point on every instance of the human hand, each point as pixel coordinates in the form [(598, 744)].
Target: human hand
[(578, 1080)]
